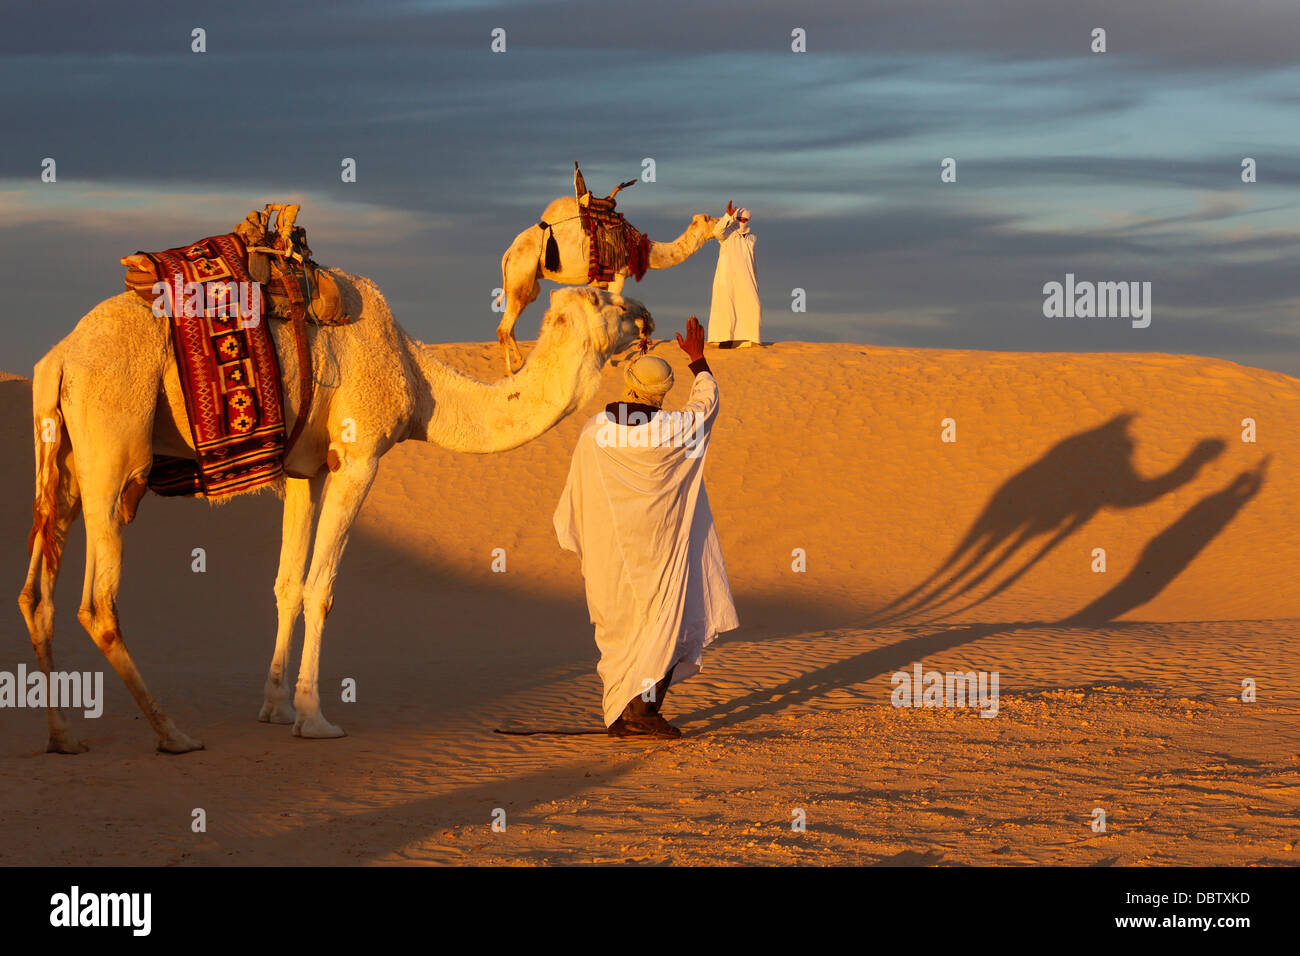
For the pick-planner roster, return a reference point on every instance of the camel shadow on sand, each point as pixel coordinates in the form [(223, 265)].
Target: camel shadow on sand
[(1050, 499), (1014, 515), (1173, 549)]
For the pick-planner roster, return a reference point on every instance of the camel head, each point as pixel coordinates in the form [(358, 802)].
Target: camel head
[(609, 323), (704, 223), (700, 230)]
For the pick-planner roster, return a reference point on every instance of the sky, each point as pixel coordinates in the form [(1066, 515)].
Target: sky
[(1117, 166)]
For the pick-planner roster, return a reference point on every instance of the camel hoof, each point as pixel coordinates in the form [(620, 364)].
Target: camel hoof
[(65, 745), (280, 712), (178, 743), (316, 727)]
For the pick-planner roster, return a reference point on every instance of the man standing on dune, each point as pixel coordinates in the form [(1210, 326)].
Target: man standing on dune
[(735, 313), (635, 511)]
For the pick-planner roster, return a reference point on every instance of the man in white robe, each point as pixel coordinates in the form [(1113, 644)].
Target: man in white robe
[(635, 511), (735, 313)]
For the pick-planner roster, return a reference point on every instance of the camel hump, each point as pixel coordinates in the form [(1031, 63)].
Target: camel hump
[(565, 207)]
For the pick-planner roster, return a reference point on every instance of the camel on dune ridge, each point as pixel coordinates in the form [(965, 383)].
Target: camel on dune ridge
[(523, 264)]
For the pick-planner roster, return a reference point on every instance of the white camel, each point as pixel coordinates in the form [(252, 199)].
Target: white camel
[(524, 263), (109, 397)]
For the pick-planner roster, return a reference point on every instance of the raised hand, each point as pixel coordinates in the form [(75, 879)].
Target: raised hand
[(693, 344)]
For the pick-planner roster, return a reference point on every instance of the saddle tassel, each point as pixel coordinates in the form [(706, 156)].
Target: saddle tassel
[(552, 260)]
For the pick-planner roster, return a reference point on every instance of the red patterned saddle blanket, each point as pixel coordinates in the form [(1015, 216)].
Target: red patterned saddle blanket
[(227, 362), (612, 242)]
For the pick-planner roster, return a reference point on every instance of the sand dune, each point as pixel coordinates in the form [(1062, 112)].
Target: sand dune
[(836, 449), (1120, 688)]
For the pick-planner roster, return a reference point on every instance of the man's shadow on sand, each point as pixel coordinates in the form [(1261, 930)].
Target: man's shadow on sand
[(1162, 560)]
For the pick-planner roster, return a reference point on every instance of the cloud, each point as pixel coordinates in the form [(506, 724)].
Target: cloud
[(1117, 165), (125, 209), (1152, 33)]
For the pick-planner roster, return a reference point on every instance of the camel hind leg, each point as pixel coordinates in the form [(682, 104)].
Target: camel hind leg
[(57, 506), (514, 359), (105, 514), (519, 287), (115, 429)]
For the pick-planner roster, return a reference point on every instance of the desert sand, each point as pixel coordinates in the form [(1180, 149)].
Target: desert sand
[(1120, 689)]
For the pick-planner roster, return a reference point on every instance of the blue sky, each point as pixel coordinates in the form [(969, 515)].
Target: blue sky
[(1118, 166)]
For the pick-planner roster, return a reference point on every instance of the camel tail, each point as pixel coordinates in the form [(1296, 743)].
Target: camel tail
[(47, 416)]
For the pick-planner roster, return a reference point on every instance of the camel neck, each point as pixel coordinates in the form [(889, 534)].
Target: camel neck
[(463, 414)]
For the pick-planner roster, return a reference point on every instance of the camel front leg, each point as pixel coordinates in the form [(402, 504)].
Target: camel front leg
[(345, 490), (301, 496)]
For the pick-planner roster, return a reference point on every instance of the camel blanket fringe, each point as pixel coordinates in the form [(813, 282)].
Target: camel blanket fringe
[(612, 242)]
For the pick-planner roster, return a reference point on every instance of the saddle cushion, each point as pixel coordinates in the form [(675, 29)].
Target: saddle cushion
[(307, 285)]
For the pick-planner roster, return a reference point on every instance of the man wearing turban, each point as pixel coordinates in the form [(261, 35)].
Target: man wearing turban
[(635, 511), (735, 312)]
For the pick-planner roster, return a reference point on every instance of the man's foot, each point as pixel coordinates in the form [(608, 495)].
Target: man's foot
[(649, 724)]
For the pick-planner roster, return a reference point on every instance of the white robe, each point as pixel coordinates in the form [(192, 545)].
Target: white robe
[(635, 510), (735, 312)]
